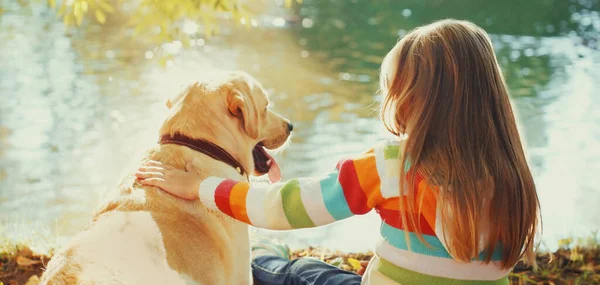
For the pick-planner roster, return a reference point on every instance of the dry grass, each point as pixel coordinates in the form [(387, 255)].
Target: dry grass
[(25, 248), (20, 265), (574, 263)]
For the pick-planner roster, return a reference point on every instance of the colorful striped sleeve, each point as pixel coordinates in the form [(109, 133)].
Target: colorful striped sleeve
[(353, 188)]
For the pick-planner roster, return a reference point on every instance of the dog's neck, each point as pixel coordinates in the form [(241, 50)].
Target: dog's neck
[(225, 139), (206, 147)]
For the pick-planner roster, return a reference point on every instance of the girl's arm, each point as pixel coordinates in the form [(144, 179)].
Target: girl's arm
[(353, 188)]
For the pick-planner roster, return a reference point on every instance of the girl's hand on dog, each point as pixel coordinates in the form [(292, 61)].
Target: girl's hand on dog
[(183, 184)]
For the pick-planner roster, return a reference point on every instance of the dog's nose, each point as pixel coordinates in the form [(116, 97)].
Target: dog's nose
[(290, 126)]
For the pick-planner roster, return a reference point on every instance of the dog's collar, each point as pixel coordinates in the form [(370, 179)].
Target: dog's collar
[(205, 147)]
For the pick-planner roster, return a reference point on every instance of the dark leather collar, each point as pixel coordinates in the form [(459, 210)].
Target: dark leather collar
[(205, 147)]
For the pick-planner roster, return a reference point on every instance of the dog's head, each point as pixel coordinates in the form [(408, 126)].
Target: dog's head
[(233, 111)]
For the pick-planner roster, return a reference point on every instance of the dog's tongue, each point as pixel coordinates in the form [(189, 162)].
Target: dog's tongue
[(274, 171)]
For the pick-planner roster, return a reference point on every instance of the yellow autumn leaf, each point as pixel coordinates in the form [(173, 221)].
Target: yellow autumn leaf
[(355, 263), (62, 9), (52, 3), (565, 242), (100, 16), (106, 6), (78, 12), (84, 6), (576, 256), (137, 30), (92, 4), (163, 62), (208, 31), (69, 19), (79, 20), (288, 3)]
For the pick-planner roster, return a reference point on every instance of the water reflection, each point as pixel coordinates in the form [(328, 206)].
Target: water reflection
[(77, 107)]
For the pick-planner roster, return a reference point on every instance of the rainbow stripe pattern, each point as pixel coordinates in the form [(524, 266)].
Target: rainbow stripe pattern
[(355, 187)]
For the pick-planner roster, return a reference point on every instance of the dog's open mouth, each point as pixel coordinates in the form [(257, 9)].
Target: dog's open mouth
[(264, 163)]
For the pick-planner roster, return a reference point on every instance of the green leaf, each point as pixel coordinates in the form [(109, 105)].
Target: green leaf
[(100, 16)]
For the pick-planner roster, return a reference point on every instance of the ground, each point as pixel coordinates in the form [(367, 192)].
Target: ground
[(568, 265), (21, 266)]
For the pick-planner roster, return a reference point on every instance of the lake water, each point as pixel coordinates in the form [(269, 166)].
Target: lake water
[(78, 106)]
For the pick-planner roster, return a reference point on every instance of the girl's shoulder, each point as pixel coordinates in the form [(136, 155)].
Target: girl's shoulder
[(390, 149), (386, 154)]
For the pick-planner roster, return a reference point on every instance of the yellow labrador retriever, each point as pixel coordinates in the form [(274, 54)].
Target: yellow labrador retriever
[(146, 236)]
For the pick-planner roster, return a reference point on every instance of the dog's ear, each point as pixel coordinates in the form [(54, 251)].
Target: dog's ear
[(244, 109)]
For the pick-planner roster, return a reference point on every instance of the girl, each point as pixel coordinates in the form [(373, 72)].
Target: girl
[(455, 195)]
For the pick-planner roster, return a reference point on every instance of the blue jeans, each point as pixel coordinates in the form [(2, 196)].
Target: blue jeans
[(274, 270)]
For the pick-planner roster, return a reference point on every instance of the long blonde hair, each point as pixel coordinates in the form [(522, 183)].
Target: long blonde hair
[(443, 87)]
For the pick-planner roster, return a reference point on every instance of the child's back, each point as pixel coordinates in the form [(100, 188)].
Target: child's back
[(467, 177)]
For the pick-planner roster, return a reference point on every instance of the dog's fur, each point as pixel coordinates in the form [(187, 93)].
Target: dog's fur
[(146, 236)]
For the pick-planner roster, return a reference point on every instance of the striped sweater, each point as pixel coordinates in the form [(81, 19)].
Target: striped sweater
[(356, 186)]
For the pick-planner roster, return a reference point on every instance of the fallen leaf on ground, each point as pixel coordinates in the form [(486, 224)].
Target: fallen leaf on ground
[(355, 263), (24, 261), (26, 252), (361, 271), (33, 280)]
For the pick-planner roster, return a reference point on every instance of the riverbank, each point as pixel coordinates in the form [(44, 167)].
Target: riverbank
[(571, 264)]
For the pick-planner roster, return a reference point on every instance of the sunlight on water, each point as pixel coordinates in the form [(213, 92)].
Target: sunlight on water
[(77, 109)]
